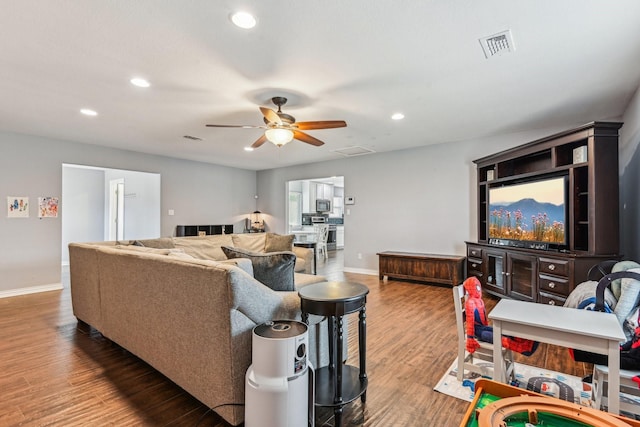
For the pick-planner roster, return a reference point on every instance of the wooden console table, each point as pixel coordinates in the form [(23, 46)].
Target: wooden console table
[(431, 268)]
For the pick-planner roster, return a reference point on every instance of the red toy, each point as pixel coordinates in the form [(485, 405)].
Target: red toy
[(478, 326)]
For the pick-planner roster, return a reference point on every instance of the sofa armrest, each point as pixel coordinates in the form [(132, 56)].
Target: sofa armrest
[(260, 303), (307, 255)]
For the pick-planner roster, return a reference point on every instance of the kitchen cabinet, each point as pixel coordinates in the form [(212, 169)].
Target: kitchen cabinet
[(322, 191)]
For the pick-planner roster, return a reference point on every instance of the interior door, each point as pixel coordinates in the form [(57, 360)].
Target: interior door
[(116, 209)]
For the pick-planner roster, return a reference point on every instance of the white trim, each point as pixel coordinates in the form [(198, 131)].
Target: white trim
[(30, 290), (361, 271)]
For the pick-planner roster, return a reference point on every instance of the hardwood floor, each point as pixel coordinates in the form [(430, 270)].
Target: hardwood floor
[(55, 372)]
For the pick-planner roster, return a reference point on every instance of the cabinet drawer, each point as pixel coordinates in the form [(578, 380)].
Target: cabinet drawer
[(557, 285), (474, 264), (474, 252), (557, 267), (544, 298)]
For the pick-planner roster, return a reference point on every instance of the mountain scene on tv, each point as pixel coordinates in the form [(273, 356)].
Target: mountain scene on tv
[(527, 219)]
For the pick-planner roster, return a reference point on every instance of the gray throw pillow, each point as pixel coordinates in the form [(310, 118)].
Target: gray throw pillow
[(278, 242), (274, 269)]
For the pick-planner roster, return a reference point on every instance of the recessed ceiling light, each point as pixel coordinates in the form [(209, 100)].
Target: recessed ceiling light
[(137, 81), (248, 148), (397, 116), (88, 112), (243, 20)]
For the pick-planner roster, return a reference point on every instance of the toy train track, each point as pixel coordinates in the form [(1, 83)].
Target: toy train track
[(495, 414)]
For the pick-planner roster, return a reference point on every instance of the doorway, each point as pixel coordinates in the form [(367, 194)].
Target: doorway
[(302, 207), (90, 211)]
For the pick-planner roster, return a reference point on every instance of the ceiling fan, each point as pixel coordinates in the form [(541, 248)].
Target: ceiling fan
[(281, 128)]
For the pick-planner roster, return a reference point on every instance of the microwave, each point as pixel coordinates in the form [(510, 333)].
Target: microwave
[(323, 205)]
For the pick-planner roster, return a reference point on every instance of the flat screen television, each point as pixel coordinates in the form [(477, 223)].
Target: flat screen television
[(533, 211)]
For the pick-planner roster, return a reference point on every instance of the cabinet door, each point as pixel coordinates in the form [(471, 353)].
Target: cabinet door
[(495, 266), (522, 274)]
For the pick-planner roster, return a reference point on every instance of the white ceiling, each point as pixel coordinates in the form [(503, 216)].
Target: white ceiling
[(358, 60)]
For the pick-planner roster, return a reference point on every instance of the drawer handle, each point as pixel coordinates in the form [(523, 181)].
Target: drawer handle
[(474, 265), (552, 302), (551, 267), (552, 285), (473, 252)]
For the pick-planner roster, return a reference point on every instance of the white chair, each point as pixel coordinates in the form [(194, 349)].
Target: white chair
[(601, 385), (484, 352), (322, 235), (602, 273)]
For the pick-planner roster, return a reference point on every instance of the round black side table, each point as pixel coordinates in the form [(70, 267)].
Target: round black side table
[(338, 384)]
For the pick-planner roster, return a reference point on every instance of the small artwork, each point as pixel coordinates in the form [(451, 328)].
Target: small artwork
[(17, 207), (47, 207)]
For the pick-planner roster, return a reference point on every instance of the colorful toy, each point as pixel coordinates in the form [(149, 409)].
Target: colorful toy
[(497, 404), (478, 326)]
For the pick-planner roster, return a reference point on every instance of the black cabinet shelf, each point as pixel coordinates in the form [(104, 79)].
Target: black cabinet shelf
[(352, 386), (203, 230)]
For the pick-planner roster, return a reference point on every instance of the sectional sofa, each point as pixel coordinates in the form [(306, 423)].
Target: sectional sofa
[(180, 305)]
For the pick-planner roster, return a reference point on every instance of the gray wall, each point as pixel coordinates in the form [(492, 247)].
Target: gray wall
[(630, 181), (83, 197), (30, 253), (420, 200), (141, 203)]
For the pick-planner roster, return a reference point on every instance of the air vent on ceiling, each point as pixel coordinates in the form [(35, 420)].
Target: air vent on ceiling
[(498, 44), (193, 138), (353, 151)]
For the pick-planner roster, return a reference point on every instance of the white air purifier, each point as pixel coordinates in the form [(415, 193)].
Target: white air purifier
[(280, 382)]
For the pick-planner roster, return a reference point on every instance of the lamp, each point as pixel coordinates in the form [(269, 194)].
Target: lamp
[(257, 224), (279, 136)]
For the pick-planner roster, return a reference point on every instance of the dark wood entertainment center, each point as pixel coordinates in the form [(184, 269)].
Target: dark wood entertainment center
[(531, 271)]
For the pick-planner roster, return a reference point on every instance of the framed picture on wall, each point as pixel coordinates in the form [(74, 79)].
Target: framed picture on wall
[(47, 207), (17, 207)]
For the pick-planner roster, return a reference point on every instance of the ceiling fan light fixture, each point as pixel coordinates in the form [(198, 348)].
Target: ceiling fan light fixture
[(243, 20), (279, 136)]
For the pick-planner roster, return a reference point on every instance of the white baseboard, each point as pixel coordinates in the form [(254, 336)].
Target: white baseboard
[(30, 290), (361, 271)]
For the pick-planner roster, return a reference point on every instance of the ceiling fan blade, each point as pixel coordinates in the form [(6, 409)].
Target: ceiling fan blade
[(259, 141), (271, 115), (301, 136), (326, 124), (237, 126)]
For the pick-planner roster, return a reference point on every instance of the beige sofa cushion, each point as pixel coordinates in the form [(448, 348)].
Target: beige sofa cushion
[(149, 250), (204, 247), (278, 242), (159, 243), (253, 242)]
